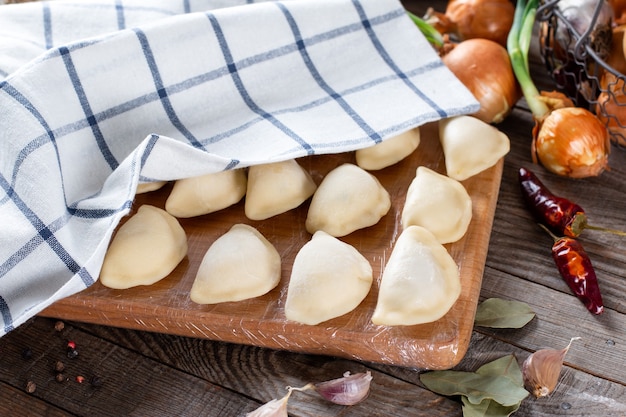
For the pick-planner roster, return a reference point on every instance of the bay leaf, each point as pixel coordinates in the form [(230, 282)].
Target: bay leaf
[(474, 386), (506, 366), (487, 408), (503, 314)]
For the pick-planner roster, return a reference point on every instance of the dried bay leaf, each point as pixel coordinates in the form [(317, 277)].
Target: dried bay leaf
[(506, 366), (496, 389), (476, 387), (503, 314), (487, 408)]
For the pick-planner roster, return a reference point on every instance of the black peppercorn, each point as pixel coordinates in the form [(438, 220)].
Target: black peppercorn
[(96, 381), (27, 353), (59, 366)]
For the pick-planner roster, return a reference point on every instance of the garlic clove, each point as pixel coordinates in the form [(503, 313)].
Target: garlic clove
[(542, 369), (273, 408), (347, 390)]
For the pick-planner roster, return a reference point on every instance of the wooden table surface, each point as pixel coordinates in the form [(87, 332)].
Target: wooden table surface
[(138, 373)]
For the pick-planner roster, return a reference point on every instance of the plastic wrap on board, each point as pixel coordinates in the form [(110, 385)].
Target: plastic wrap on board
[(166, 306)]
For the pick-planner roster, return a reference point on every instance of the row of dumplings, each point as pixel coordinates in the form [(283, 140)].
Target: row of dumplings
[(329, 278)]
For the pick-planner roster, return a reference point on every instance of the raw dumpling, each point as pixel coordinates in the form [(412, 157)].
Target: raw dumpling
[(329, 278), (349, 198), (389, 151), (240, 264), (470, 146), (439, 203), (207, 193), (276, 188), (145, 249), (146, 187), (420, 282)]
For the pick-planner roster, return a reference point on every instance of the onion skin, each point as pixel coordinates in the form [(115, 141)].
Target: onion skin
[(484, 67), (572, 142), (486, 19), (611, 107), (619, 10)]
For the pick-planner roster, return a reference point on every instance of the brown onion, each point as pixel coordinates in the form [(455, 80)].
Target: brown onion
[(484, 67), (572, 142), (469, 19), (619, 10)]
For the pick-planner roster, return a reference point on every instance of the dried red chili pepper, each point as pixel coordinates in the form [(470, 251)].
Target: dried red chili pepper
[(560, 215), (575, 267)]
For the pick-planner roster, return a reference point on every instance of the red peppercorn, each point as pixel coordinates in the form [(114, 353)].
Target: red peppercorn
[(71, 344), (80, 379)]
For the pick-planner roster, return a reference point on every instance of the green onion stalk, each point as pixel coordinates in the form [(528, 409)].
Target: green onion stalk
[(432, 35), (518, 45)]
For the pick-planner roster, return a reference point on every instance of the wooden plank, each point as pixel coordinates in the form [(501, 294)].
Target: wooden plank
[(146, 373), (166, 307), (16, 402), (240, 368), (130, 384)]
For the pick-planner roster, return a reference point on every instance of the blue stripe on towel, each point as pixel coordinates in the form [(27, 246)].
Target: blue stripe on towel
[(162, 90), (320, 80), (119, 10), (232, 67), (44, 233), (385, 56), (84, 102), (47, 24)]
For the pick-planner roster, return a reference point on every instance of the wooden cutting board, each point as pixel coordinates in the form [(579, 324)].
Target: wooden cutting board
[(165, 306)]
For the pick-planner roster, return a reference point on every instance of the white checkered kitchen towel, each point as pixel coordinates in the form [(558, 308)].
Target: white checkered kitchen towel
[(99, 95)]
